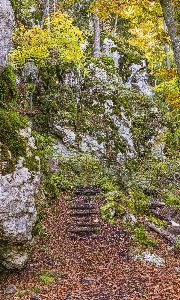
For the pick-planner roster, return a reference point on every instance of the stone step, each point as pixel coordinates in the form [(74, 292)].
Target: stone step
[(84, 200), (82, 219), (79, 214), (82, 207), (79, 230), (84, 224), (86, 193)]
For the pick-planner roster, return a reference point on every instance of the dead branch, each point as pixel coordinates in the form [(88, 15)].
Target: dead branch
[(155, 204), (164, 233)]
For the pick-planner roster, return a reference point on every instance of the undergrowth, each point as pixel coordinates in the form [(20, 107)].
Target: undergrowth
[(126, 189), (82, 169)]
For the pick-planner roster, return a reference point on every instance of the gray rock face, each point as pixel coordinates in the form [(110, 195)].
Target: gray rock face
[(109, 127), (111, 50), (17, 215), (6, 28), (140, 78)]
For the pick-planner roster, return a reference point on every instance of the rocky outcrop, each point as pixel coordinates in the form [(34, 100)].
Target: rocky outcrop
[(108, 119), (18, 189), (6, 28), (111, 111), (17, 215)]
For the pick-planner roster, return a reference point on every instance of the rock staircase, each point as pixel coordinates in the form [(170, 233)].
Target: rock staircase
[(83, 213)]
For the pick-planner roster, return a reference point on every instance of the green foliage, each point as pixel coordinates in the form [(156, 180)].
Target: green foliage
[(110, 210), (172, 137), (39, 230), (105, 62), (115, 196), (52, 184), (141, 236), (72, 170), (58, 41), (20, 293), (52, 93), (177, 245), (45, 151), (6, 157), (80, 12), (146, 114), (41, 208), (129, 54), (47, 277), (23, 12), (171, 197), (157, 222), (67, 198), (8, 88), (80, 169), (117, 203), (108, 184), (152, 177), (10, 124), (36, 289), (140, 202)]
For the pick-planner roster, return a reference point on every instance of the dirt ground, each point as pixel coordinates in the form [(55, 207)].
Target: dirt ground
[(91, 267)]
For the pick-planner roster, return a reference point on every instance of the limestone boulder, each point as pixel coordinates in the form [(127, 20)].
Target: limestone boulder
[(6, 29), (17, 215)]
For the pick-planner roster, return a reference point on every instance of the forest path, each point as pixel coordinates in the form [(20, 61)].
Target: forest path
[(91, 267)]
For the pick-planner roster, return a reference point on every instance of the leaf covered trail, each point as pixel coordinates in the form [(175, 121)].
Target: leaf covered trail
[(92, 267)]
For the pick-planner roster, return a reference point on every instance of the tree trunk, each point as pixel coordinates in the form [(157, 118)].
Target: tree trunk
[(115, 24), (54, 5), (96, 50), (6, 29), (46, 14), (172, 25), (167, 235), (166, 47)]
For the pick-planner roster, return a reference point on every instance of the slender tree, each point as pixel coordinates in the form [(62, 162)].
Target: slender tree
[(168, 8), (96, 50)]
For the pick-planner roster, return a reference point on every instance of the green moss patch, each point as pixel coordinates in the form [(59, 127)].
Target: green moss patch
[(8, 89), (12, 143)]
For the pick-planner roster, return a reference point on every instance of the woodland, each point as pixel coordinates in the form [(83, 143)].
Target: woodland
[(97, 84)]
